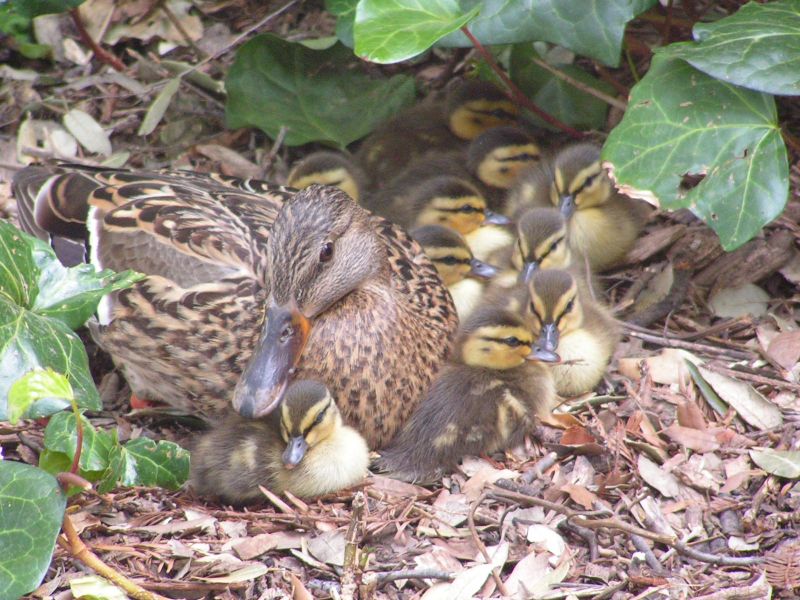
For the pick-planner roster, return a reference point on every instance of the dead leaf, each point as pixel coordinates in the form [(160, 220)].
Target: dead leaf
[(783, 463), (657, 289), (531, 568), (248, 573), (654, 476), (397, 488), (746, 401), (666, 367), (784, 349), (694, 439), (230, 162), (251, 547), (328, 547), (580, 494), (484, 476), (748, 299), (88, 132), (463, 587), (690, 415), (547, 539), (299, 591), (451, 508)]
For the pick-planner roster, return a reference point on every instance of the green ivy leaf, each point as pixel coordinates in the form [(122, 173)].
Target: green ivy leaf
[(316, 94), (681, 121), (34, 8), (562, 100), (758, 47), (589, 27), (32, 510), (391, 31), (345, 13), (18, 271), (36, 385), (61, 435), (147, 463)]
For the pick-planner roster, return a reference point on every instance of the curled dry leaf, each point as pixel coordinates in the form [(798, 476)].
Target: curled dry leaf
[(754, 408), (693, 439), (580, 495), (666, 368), (690, 415), (463, 587)]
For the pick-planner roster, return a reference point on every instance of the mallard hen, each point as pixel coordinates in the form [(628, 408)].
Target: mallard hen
[(349, 299)]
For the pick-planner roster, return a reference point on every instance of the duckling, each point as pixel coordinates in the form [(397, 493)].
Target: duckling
[(463, 274), (468, 110), (329, 168), (443, 200), (303, 448), (485, 399), (582, 331), (603, 224)]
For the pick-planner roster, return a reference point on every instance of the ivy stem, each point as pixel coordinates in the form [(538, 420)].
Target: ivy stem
[(516, 93), (74, 544), (76, 459), (100, 53), (602, 96)]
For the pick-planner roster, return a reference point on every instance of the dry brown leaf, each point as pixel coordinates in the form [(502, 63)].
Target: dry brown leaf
[(784, 349), (484, 476), (748, 403), (230, 162), (328, 547), (748, 299), (577, 436), (656, 477), (531, 568), (694, 439), (666, 367), (396, 488), (463, 587), (299, 591), (560, 420), (690, 415), (451, 508), (251, 547), (440, 558), (580, 494)]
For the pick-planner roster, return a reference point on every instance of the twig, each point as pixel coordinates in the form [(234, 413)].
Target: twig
[(350, 562), (516, 92), (649, 336), (760, 379), (547, 461), (101, 53), (181, 29), (622, 90), (79, 550), (610, 100), (501, 587), (378, 577)]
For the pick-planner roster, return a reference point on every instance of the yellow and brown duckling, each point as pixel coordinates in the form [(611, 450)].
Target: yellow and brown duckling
[(245, 290), (329, 168), (603, 224), (469, 109), (462, 273), (486, 399), (302, 448), (580, 330)]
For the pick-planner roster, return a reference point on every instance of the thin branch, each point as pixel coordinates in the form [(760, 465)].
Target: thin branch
[(517, 94), (615, 102), (501, 587), (79, 550), (100, 53), (386, 576)]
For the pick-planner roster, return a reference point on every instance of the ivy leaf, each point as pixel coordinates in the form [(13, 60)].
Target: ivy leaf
[(147, 463), (316, 94), (34, 8), (562, 100), (592, 28), (345, 13), (388, 32), (758, 47), (37, 385), (18, 271), (681, 121), (32, 510), (61, 436)]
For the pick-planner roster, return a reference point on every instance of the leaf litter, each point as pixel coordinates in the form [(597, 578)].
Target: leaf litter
[(680, 478)]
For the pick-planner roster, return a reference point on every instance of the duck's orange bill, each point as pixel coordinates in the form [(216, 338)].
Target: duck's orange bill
[(261, 386)]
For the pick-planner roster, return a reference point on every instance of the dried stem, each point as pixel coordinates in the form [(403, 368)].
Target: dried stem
[(519, 97), (501, 587), (101, 53), (610, 100), (350, 564)]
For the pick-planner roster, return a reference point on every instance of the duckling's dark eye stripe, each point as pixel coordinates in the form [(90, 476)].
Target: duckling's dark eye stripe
[(452, 260), (518, 157), (551, 248), (317, 420), (495, 112), (503, 340), (535, 313), (460, 209)]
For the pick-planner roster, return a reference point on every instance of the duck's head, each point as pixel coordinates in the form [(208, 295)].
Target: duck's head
[(328, 168), (579, 179), (451, 255), (475, 106), (497, 339), (541, 242), (498, 155), (321, 248), (452, 202), (554, 307), (308, 416)]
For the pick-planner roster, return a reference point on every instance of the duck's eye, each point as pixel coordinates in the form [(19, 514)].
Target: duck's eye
[(449, 260), (469, 209), (319, 417), (553, 246), (590, 180), (512, 341), (570, 305), (499, 113), (326, 252)]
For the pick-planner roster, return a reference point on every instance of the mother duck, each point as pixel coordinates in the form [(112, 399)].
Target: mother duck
[(249, 285)]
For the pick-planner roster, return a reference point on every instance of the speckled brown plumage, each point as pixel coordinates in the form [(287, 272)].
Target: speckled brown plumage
[(185, 333)]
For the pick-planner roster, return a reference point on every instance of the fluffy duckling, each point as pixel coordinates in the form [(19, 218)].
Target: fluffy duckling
[(603, 224), (329, 168), (303, 448), (463, 274), (486, 399), (566, 321), (468, 110), (443, 200)]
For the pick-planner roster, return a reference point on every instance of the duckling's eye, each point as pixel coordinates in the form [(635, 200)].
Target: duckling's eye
[(590, 180), (326, 252), (553, 246), (319, 417), (449, 260), (570, 305), (469, 209), (499, 113), (514, 342)]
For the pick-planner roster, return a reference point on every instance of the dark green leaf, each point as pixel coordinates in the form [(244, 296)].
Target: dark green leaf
[(345, 12), (34, 8), (391, 31), (681, 121), (18, 272), (758, 47), (36, 385), (318, 95), (147, 463), (31, 510), (590, 27), (27, 342), (557, 97), (61, 435)]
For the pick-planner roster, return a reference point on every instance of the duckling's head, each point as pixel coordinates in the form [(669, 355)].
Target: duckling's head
[(328, 168), (451, 255), (579, 179), (499, 154), (541, 242), (475, 106), (452, 202), (497, 339), (321, 248), (554, 307), (308, 416)]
